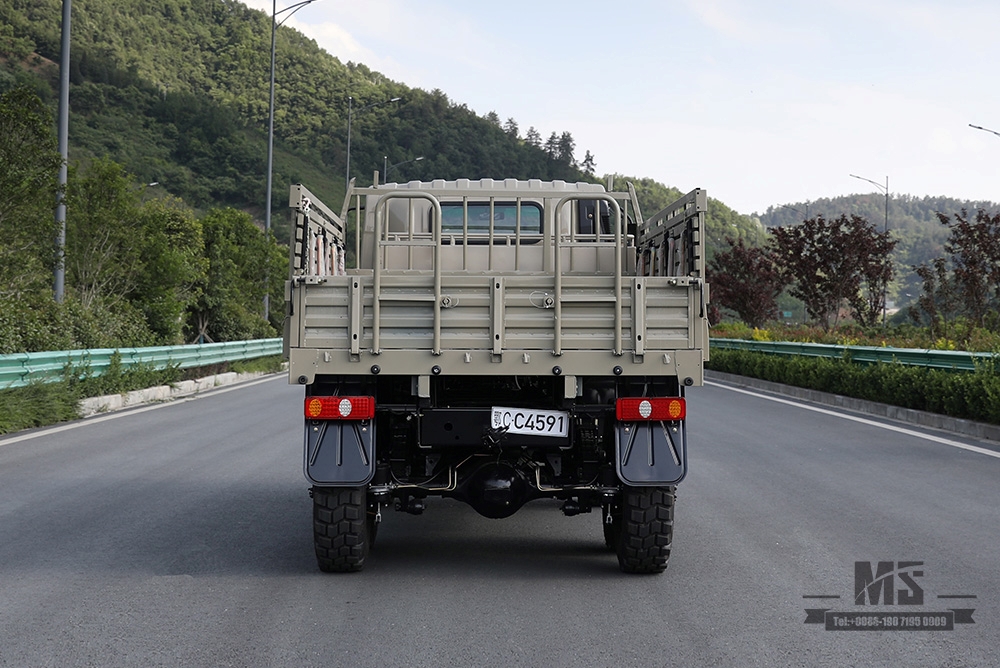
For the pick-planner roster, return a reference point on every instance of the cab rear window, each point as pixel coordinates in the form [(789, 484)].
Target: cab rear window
[(504, 217)]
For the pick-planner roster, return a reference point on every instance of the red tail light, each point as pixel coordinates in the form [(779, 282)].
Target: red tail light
[(340, 408), (668, 409)]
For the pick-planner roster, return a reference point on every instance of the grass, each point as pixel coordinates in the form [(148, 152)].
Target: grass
[(41, 404)]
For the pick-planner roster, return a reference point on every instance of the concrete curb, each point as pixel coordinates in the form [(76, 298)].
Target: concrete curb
[(980, 430), (114, 402)]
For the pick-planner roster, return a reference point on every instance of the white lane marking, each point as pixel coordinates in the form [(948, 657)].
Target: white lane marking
[(83, 422), (872, 423)]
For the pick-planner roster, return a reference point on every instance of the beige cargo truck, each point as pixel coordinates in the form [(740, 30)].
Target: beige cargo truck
[(495, 342)]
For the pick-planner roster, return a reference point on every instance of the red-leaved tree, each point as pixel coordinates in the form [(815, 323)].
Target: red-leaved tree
[(746, 280), (974, 246), (833, 263)]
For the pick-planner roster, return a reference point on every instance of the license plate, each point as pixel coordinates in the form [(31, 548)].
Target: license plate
[(531, 421)]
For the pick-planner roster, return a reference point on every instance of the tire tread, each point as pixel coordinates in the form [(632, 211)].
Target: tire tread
[(340, 529), (646, 532)]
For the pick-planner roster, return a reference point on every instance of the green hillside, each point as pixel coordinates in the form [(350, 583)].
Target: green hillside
[(177, 92)]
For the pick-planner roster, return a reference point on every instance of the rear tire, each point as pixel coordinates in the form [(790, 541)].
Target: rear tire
[(340, 528), (646, 529)]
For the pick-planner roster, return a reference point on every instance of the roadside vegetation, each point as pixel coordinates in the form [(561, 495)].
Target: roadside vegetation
[(958, 335), (41, 404), (970, 395), (138, 271), (840, 273)]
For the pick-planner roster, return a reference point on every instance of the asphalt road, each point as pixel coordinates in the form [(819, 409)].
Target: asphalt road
[(180, 536)]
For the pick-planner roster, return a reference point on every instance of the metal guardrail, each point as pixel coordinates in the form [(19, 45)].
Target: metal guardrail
[(952, 360), (20, 369)]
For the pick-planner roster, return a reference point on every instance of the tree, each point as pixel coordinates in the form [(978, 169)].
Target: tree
[(830, 262), (17, 48), (974, 246), (29, 166), (552, 146), (229, 306), (121, 251), (532, 138), (720, 223), (493, 118), (510, 127), (103, 233), (938, 297), (588, 163), (564, 149), (876, 272), (747, 280), (173, 267)]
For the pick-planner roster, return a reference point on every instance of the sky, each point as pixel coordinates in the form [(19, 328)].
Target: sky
[(762, 103)]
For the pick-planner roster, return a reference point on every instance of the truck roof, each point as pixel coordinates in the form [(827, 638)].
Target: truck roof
[(496, 184)]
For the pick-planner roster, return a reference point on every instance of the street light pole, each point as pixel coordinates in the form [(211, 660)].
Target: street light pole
[(350, 118), (270, 109), (59, 287), (979, 127), (385, 174), (792, 208), (885, 189), (270, 122)]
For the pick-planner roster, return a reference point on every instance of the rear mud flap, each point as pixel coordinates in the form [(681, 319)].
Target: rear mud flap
[(340, 452), (651, 453)]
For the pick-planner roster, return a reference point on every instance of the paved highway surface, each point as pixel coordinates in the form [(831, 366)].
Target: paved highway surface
[(179, 535)]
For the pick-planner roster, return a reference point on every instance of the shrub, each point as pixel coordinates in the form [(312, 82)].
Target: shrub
[(38, 324), (971, 395), (961, 336)]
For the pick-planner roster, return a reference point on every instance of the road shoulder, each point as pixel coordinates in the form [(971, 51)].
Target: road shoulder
[(979, 430)]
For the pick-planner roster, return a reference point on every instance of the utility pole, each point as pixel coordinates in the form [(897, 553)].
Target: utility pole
[(60, 277), (270, 131), (885, 189), (350, 118)]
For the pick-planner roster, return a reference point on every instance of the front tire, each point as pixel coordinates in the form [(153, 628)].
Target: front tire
[(341, 528), (645, 529)]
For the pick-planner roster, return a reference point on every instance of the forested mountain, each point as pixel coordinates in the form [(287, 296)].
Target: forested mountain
[(168, 111), (177, 92)]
